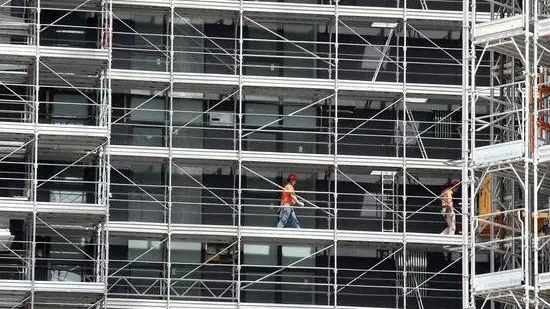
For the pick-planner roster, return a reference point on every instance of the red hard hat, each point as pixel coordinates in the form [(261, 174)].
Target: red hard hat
[(292, 177)]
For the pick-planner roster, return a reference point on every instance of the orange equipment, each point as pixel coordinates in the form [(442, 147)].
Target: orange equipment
[(542, 124), (485, 209)]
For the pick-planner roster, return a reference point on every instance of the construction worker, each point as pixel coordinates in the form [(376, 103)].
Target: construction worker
[(287, 216), (447, 208)]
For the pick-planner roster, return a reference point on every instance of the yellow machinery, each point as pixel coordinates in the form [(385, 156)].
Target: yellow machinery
[(486, 215)]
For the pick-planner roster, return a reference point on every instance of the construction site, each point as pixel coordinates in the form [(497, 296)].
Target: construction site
[(144, 146)]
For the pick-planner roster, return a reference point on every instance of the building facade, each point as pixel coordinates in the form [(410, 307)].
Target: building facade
[(144, 146)]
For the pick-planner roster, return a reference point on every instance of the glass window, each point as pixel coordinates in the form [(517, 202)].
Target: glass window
[(67, 28), (185, 257), (260, 114), (69, 109), (304, 119), (187, 200), (147, 268), (297, 142), (186, 252), (188, 113), (293, 253), (260, 207), (372, 57), (371, 207), (256, 254), (141, 207), (149, 44), (258, 55), (297, 62), (65, 261), (189, 49), (68, 187), (64, 275), (148, 136), (262, 142), (62, 196), (137, 247), (187, 110), (302, 290), (152, 111)]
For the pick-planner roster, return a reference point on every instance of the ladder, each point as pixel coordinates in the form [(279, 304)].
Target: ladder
[(416, 135), (388, 201), (424, 4)]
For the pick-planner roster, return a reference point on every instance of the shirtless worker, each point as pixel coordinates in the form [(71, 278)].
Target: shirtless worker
[(287, 216), (447, 208)]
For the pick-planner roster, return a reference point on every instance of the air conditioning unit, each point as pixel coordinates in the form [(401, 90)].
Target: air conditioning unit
[(221, 119)]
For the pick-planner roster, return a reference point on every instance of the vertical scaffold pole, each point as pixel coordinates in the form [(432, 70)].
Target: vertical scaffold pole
[(465, 155)]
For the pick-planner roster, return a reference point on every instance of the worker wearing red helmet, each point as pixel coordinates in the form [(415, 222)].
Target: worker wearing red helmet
[(447, 208), (287, 216)]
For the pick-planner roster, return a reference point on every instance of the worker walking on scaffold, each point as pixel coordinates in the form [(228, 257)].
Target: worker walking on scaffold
[(447, 208), (287, 216)]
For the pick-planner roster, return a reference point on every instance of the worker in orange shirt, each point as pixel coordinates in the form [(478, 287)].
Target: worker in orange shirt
[(447, 208), (287, 216)]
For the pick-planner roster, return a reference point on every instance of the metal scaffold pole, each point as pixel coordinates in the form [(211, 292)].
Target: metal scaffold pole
[(404, 152), (526, 112), (335, 187), (170, 209), (533, 127), (467, 178), (240, 120), (108, 149), (470, 138), (35, 151)]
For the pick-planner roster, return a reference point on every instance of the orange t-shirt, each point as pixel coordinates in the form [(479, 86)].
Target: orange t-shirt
[(286, 195)]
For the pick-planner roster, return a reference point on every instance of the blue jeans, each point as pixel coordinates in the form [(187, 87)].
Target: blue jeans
[(287, 217)]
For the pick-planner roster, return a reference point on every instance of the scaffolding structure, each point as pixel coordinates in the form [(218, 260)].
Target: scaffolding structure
[(144, 146), (508, 160)]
